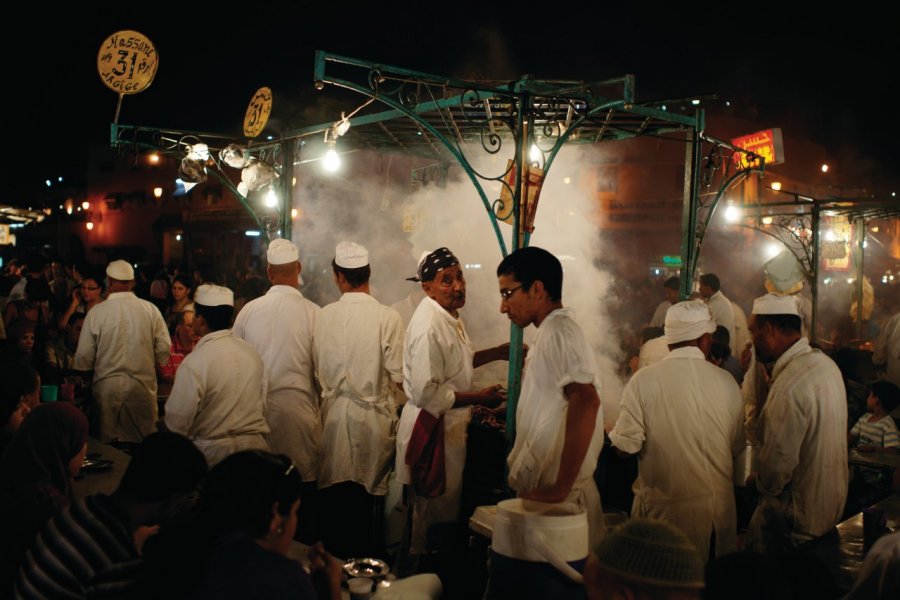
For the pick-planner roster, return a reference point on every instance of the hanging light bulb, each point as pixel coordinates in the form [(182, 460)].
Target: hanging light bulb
[(331, 161), (89, 225), (271, 198), (535, 154)]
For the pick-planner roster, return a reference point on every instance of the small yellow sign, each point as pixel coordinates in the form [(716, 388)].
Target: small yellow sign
[(258, 112), (127, 62)]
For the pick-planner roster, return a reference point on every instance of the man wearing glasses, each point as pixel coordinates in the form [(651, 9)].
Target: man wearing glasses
[(559, 419)]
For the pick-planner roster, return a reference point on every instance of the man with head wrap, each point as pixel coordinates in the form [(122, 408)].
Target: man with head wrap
[(683, 416), (803, 471), (438, 363)]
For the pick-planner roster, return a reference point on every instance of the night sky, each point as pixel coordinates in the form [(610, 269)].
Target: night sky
[(829, 77)]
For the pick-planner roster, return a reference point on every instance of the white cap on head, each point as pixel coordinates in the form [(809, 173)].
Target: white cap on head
[(213, 295), (776, 304), (687, 321), (121, 270), (350, 255), (282, 252), (783, 272)]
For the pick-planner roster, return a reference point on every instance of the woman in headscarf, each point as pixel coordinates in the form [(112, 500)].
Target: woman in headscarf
[(19, 393), (36, 472)]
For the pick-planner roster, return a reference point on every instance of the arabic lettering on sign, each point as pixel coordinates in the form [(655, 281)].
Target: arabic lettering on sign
[(127, 62), (766, 144)]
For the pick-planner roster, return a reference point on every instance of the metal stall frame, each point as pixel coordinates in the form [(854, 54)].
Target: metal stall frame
[(447, 119)]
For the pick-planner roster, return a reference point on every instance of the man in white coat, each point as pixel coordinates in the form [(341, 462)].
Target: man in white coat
[(280, 325), (219, 395), (358, 352), (438, 363), (559, 419), (122, 341), (683, 417), (719, 306), (803, 473)]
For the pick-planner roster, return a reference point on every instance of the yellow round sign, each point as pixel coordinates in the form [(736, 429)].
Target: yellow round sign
[(258, 112), (127, 62)]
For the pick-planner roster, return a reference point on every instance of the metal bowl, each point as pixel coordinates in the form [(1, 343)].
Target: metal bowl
[(372, 568)]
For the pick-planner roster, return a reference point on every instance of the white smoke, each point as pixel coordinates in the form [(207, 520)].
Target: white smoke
[(373, 211)]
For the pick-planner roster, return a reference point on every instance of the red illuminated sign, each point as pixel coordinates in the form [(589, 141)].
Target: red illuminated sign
[(766, 143)]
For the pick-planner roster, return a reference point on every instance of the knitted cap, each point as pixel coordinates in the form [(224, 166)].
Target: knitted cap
[(653, 552)]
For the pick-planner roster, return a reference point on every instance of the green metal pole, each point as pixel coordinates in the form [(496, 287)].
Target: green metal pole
[(813, 334), (514, 374), (860, 226), (287, 187), (689, 213)]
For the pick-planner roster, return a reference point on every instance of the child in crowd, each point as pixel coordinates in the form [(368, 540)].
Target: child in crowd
[(876, 429)]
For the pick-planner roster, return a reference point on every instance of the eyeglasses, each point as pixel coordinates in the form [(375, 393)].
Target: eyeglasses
[(507, 294), (88, 288)]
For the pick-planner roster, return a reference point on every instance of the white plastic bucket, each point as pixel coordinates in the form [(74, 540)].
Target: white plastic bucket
[(540, 532)]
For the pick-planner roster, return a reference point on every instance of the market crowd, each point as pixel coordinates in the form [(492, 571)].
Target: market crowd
[(285, 421)]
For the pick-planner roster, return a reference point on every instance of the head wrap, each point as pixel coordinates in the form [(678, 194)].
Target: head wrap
[(350, 255), (434, 263), (282, 252), (650, 551), (120, 270), (687, 321), (776, 304)]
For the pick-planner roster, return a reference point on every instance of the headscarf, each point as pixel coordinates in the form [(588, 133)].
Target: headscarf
[(39, 453), (436, 262)]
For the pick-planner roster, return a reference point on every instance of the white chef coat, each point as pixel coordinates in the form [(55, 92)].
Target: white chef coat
[(659, 315), (408, 305), (741, 330), (358, 352), (684, 417), (437, 362), (559, 355), (722, 313), (803, 470), (122, 341), (280, 325), (887, 349), (219, 396)]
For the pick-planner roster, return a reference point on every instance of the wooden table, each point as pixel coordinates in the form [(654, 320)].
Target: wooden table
[(878, 459), (104, 482)]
